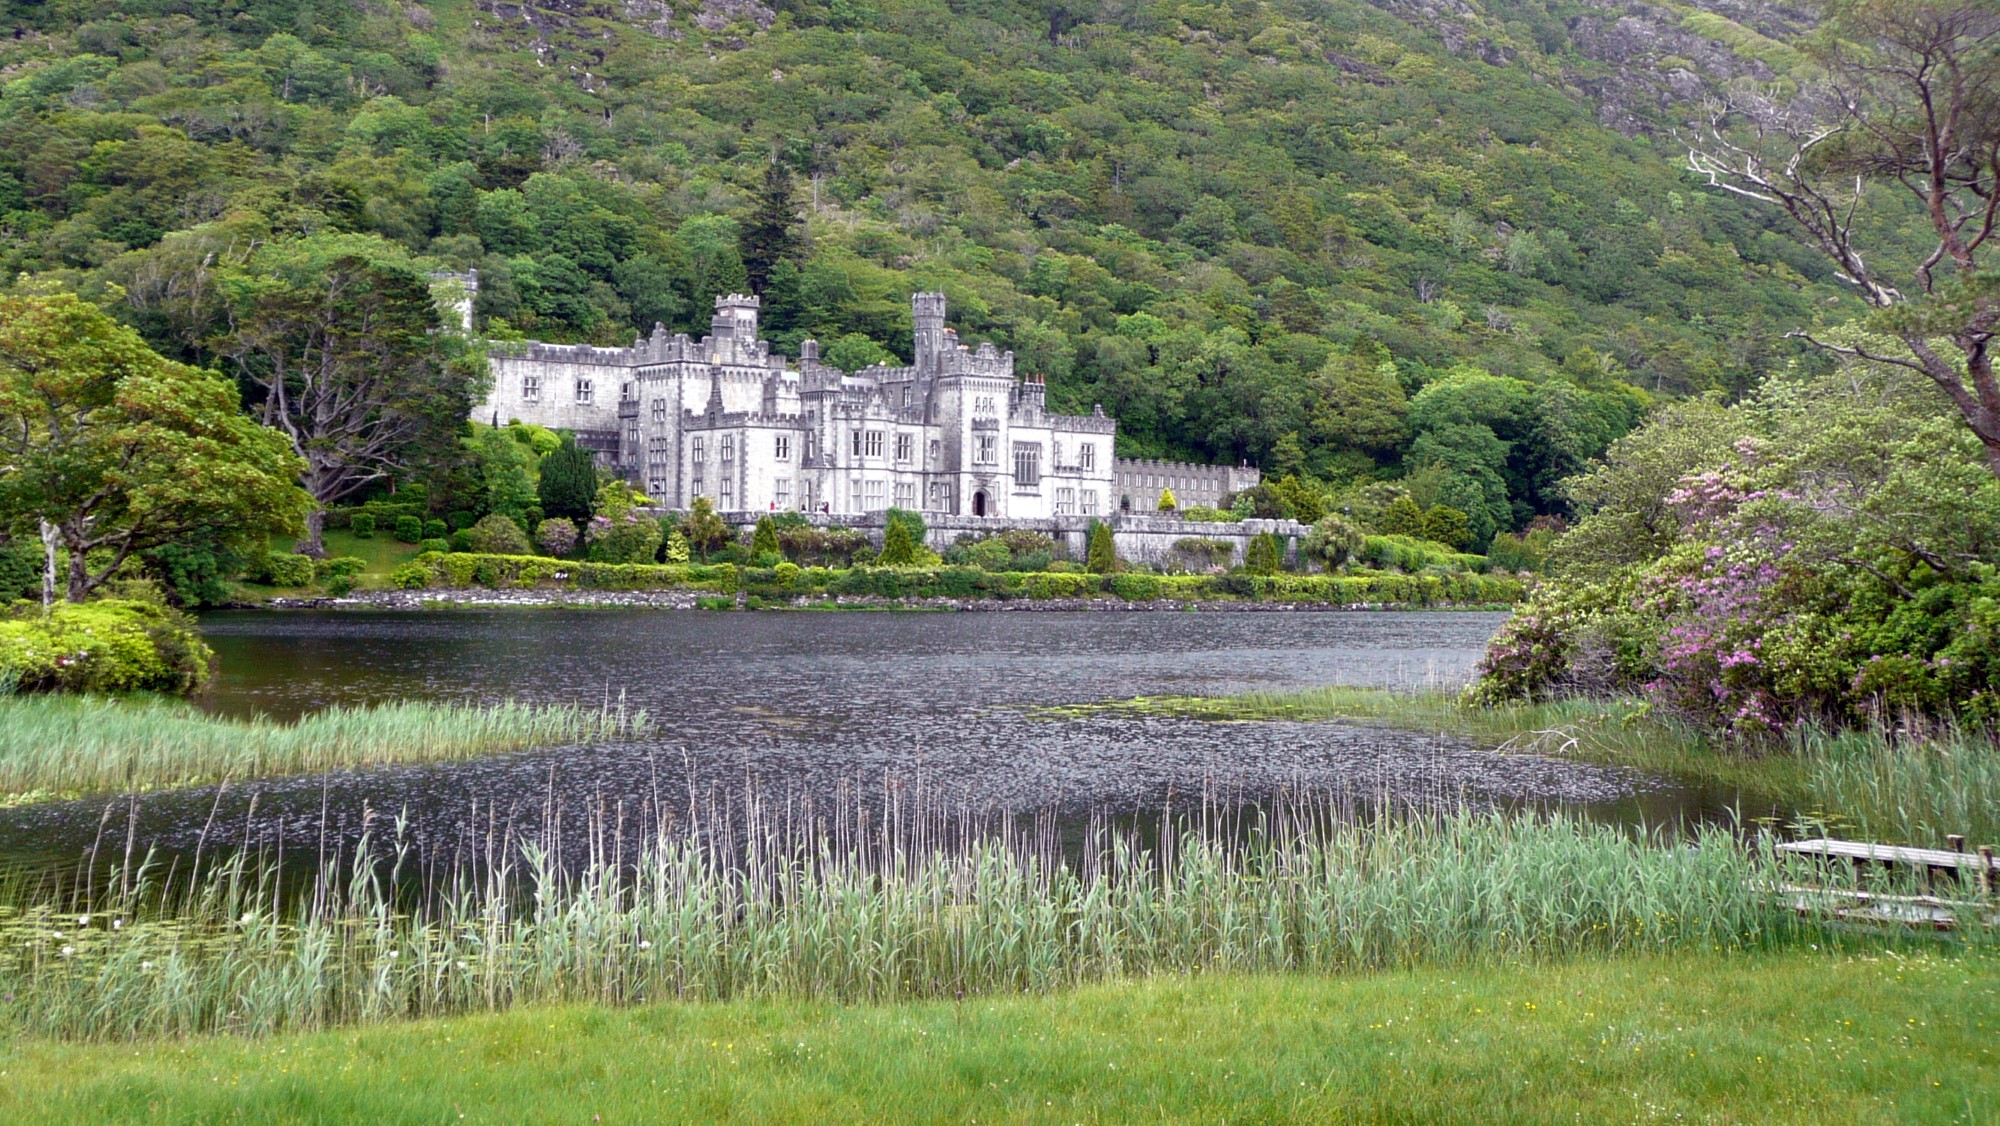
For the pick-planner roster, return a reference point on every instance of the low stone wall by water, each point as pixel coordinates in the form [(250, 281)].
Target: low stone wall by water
[(480, 598), (1147, 538)]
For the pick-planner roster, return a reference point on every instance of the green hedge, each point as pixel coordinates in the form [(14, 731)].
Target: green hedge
[(283, 568), (380, 513), (504, 572), (511, 572), (1407, 553)]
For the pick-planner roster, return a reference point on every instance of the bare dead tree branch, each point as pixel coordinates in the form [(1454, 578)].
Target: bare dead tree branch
[(1910, 98)]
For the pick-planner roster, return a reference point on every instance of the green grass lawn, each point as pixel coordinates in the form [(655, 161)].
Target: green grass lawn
[(383, 552), (1776, 1038)]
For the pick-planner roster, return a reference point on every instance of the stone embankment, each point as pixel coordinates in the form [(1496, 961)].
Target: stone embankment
[(691, 600)]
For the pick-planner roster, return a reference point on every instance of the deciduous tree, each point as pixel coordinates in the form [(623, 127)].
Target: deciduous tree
[(347, 358), (703, 529), (111, 450), (1332, 543), (1910, 100)]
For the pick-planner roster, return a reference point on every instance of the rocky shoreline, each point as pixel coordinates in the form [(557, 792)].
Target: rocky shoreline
[(481, 599)]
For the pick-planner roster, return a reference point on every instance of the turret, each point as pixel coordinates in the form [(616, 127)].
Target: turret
[(459, 292), (927, 314), (735, 319), (1032, 395)]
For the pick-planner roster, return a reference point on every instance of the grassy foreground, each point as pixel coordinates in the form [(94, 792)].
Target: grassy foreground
[(1799, 1037), (64, 746)]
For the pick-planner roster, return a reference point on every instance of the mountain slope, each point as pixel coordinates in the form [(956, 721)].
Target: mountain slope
[(1196, 214)]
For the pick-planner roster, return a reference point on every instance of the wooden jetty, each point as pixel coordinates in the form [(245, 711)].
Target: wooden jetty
[(1972, 878)]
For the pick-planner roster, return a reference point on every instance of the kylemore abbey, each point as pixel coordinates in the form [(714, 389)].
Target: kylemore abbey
[(957, 432)]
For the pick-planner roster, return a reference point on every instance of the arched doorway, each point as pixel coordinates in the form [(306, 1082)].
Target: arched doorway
[(979, 503)]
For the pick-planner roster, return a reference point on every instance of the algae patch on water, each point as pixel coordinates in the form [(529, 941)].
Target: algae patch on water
[(1334, 703)]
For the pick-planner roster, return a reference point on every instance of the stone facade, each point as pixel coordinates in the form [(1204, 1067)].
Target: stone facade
[(1141, 481), (957, 432)]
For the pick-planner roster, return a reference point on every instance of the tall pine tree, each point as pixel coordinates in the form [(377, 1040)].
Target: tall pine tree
[(770, 235), (569, 482)]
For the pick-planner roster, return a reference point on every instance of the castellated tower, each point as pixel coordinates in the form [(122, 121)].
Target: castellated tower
[(733, 328), (927, 312)]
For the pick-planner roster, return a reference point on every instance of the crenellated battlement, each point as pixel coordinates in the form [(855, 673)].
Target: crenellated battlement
[(1082, 423), (575, 354), (726, 420)]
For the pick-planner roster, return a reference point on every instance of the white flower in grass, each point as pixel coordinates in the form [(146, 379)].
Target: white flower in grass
[(392, 953), (645, 944), (247, 916), (145, 965), (83, 920), (117, 924), (68, 950)]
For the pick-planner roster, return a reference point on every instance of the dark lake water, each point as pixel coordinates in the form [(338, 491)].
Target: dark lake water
[(832, 708)]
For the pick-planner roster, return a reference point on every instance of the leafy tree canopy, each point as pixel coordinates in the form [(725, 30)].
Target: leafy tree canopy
[(116, 451)]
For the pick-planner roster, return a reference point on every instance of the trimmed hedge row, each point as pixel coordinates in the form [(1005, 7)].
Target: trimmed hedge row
[(513, 572), (1407, 553), (786, 580), (380, 513)]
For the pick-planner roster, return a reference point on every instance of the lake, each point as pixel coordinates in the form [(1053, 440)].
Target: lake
[(825, 710)]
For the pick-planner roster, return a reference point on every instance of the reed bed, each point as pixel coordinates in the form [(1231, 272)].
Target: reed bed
[(54, 746), (771, 904), (1909, 786)]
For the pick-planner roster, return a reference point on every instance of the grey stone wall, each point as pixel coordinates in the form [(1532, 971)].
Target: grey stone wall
[(1148, 539)]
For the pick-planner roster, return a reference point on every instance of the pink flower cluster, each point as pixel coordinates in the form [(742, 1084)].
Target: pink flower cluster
[(1711, 664)]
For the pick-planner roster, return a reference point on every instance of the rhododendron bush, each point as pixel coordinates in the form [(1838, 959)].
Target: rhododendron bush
[(1824, 551)]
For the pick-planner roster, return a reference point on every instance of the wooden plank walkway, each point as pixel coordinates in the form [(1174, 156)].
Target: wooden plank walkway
[(1895, 910), (1972, 873), (1893, 854)]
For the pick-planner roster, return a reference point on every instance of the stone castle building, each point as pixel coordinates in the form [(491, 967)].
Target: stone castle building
[(957, 432)]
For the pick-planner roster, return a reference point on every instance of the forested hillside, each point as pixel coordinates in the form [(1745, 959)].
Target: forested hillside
[(1331, 237)]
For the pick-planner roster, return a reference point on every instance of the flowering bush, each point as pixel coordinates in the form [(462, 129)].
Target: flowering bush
[(1834, 559), (556, 536), (107, 646)]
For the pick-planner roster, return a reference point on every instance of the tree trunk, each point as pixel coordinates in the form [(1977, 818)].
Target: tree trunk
[(79, 575), (313, 542), (50, 537)]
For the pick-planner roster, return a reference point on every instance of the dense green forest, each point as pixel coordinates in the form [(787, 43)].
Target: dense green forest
[(1333, 239)]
